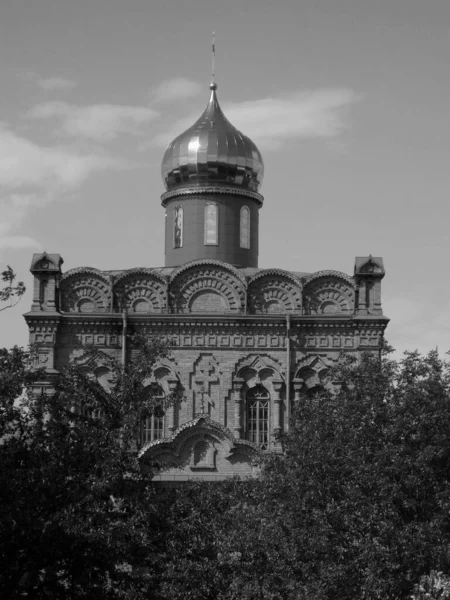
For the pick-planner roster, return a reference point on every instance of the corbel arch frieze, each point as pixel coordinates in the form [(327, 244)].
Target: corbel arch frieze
[(206, 286), (141, 290), (274, 291), (329, 293), (85, 290)]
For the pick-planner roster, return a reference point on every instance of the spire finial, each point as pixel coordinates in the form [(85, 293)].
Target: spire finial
[(213, 85)]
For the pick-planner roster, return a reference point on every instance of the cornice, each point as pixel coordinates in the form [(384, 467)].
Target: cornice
[(207, 262), (85, 271), (222, 190), (328, 273), (140, 271), (279, 272)]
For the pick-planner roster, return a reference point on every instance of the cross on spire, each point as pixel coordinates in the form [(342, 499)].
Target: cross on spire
[(213, 57)]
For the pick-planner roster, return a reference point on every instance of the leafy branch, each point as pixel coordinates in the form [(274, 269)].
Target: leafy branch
[(13, 291)]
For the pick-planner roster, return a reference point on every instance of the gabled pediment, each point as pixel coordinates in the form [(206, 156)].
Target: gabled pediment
[(46, 262)]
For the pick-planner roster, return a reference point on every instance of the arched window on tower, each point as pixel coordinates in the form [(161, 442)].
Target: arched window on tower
[(258, 401), (178, 227), (211, 224), (245, 227), (153, 426)]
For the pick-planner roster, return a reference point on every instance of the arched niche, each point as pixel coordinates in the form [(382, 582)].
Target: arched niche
[(141, 291), (274, 292), (329, 293), (85, 290), (207, 287)]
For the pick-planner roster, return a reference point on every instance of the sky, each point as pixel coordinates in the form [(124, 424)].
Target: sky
[(347, 100)]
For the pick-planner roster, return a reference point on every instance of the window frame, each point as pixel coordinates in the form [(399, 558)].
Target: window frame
[(205, 224), (178, 210), (254, 436), (152, 427), (244, 234)]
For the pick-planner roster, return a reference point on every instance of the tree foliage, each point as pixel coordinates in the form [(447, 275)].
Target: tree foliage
[(358, 505), (13, 291), (77, 515)]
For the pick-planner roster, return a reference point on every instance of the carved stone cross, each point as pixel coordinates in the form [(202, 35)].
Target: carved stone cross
[(205, 376)]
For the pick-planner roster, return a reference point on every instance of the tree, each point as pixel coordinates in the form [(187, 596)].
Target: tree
[(358, 505), (78, 517), (12, 292)]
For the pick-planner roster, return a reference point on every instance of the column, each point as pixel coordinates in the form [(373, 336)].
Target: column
[(238, 402)]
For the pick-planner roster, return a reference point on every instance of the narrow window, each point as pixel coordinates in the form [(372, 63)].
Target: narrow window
[(153, 426), (178, 227), (211, 224), (245, 227), (258, 416)]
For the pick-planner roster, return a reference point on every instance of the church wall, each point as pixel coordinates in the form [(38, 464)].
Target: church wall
[(266, 332)]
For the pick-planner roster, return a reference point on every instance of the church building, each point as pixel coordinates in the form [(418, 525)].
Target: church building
[(247, 342)]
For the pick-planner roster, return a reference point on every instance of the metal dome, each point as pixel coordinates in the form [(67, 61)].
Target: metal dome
[(212, 152)]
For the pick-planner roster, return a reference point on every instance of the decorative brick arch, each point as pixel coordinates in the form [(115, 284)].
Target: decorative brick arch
[(206, 286), (257, 363), (197, 446), (165, 375), (310, 373), (329, 293), (274, 291), (141, 290), (85, 290), (99, 365)]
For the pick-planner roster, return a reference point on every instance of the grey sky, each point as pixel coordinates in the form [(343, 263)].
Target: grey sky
[(347, 99)]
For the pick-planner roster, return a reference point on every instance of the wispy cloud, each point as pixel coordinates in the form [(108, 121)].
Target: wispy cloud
[(99, 122), (177, 88), (56, 84), (270, 122), (33, 176)]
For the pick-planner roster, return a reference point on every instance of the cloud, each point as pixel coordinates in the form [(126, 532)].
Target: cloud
[(177, 88), (33, 176), (270, 122), (99, 122), (56, 84)]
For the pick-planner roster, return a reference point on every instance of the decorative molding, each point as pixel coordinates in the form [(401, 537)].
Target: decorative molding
[(274, 293), (280, 272), (206, 277), (329, 295), (85, 271), (85, 288), (318, 274), (196, 191), (181, 434), (140, 271), (141, 287), (207, 262)]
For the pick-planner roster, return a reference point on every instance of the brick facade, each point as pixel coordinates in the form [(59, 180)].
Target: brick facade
[(230, 330)]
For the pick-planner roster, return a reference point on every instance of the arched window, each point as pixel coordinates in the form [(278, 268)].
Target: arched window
[(153, 426), (245, 227), (258, 400), (178, 227), (211, 225)]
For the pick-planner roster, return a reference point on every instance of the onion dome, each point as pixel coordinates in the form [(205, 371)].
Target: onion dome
[(212, 153)]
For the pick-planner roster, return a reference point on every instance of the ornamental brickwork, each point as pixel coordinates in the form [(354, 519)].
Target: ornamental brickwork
[(231, 331)]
